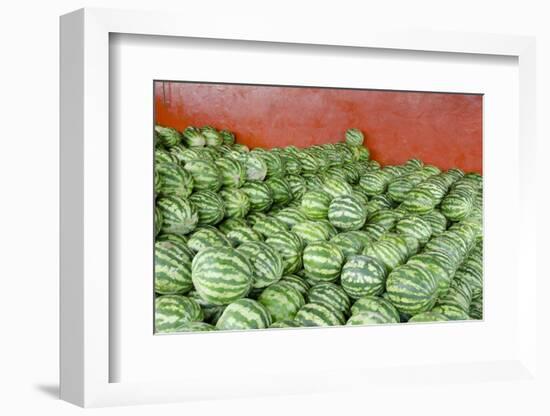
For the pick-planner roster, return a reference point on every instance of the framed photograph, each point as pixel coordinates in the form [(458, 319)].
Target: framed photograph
[(281, 213)]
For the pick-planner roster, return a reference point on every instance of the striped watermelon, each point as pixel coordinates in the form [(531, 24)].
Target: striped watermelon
[(274, 163), (244, 314), (374, 231), (173, 180), (367, 318), (387, 218), (313, 181), (377, 305), (347, 213), (259, 195), (282, 301), (205, 237), (315, 204), (242, 234), (297, 283), (314, 314), (158, 220), (349, 243), (378, 202), (163, 156), (269, 226), (419, 201), (256, 168), (297, 186), (285, 324), (354, 137), (451, 312), (253, 217), (212, 136), (414, 163), (311, 231), (437, 221), (415, 227), (290, 247), (232, 172), (221, 275), (337, 187), (476, 308), (290, 216), (232, 224), (173, 311), (228, 138), (330, 295), (323, 261), (206, 175), (292, 164), (241, 148), (172, 268), (412, 288), (267, 264), (438, 265), (236, 202), (399, 188), (211, 312), (167, 136), (193, 137), (387, 253), (429, 316), (280, 189), (308, 162), (209, 205), (373, 183), (178, 215), (182, 155), (362, 276), (459, 294), (458, 203)]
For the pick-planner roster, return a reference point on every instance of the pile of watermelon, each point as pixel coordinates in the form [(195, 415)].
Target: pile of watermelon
[(301, 237)]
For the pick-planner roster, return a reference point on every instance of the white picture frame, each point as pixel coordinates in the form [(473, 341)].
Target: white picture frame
[(87, 302)]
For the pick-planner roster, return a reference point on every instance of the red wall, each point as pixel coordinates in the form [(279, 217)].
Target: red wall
[(442, 129)]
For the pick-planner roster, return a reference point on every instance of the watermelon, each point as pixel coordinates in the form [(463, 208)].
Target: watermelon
[(178, 215), (347, 213), (373, 183), (290, 247), (330, 295), (206, 175), (173, 180), (211, 312), (173, 311), (282, 301), (242, 234), (292, 164), (362, 276), (368, 318), (337, 187), (349, 243), (416, 227), (193, 137), (205, 237), (241, 148), (439, 266), (297, 283), (158, 220), (182, 155), (314, 314), (458, 203), (267, 264), (308, 162), (354, 137), (311, 231), (212, 136), (437, 221), (235, 201), (323, 261), (374, 231), (459, 294), (244, 314), (429, 316), (221, 275), (167, 136), (228, 138), (385, 217), (210, 207), (290, 216), (389, 254), (377, 305), (196, 327), (315, 204), (232, 172), (259, 195), (255, 168), (297, 186), (280, 189), (412, 288), (451, 312), (273, 162), (269, 226), (285, 324), (172, 268)]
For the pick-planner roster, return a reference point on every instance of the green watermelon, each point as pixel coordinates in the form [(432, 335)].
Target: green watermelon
[(311, 231), (282, 301), (362, 276), (415, 227), (256, 168), (206, 175), (236, 202), (290, 216), (323, 261), (173, 311), (349, 243), (158, 220), (285, 324), (172, 268), (269, 226), (173, 180), (297, 283), (212, 136), (210, 207), (347, 213), (290, 247), (232, 172), (259, 195), (412, 288), (315, 204), (367, 318), (267, 264), (163, 156), (429, 316), (451, 312), (297, 186), (205, 237), (221, 275), (315, 314), (336, 187), (228, 137), (373, 183), (330, 295), (377, 305), (354, 137), (280, 189), (244, 314), (178, 214), (196, 327), (167, 136)]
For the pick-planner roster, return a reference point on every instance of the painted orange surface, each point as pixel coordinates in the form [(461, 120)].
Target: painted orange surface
[(441, 129)]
